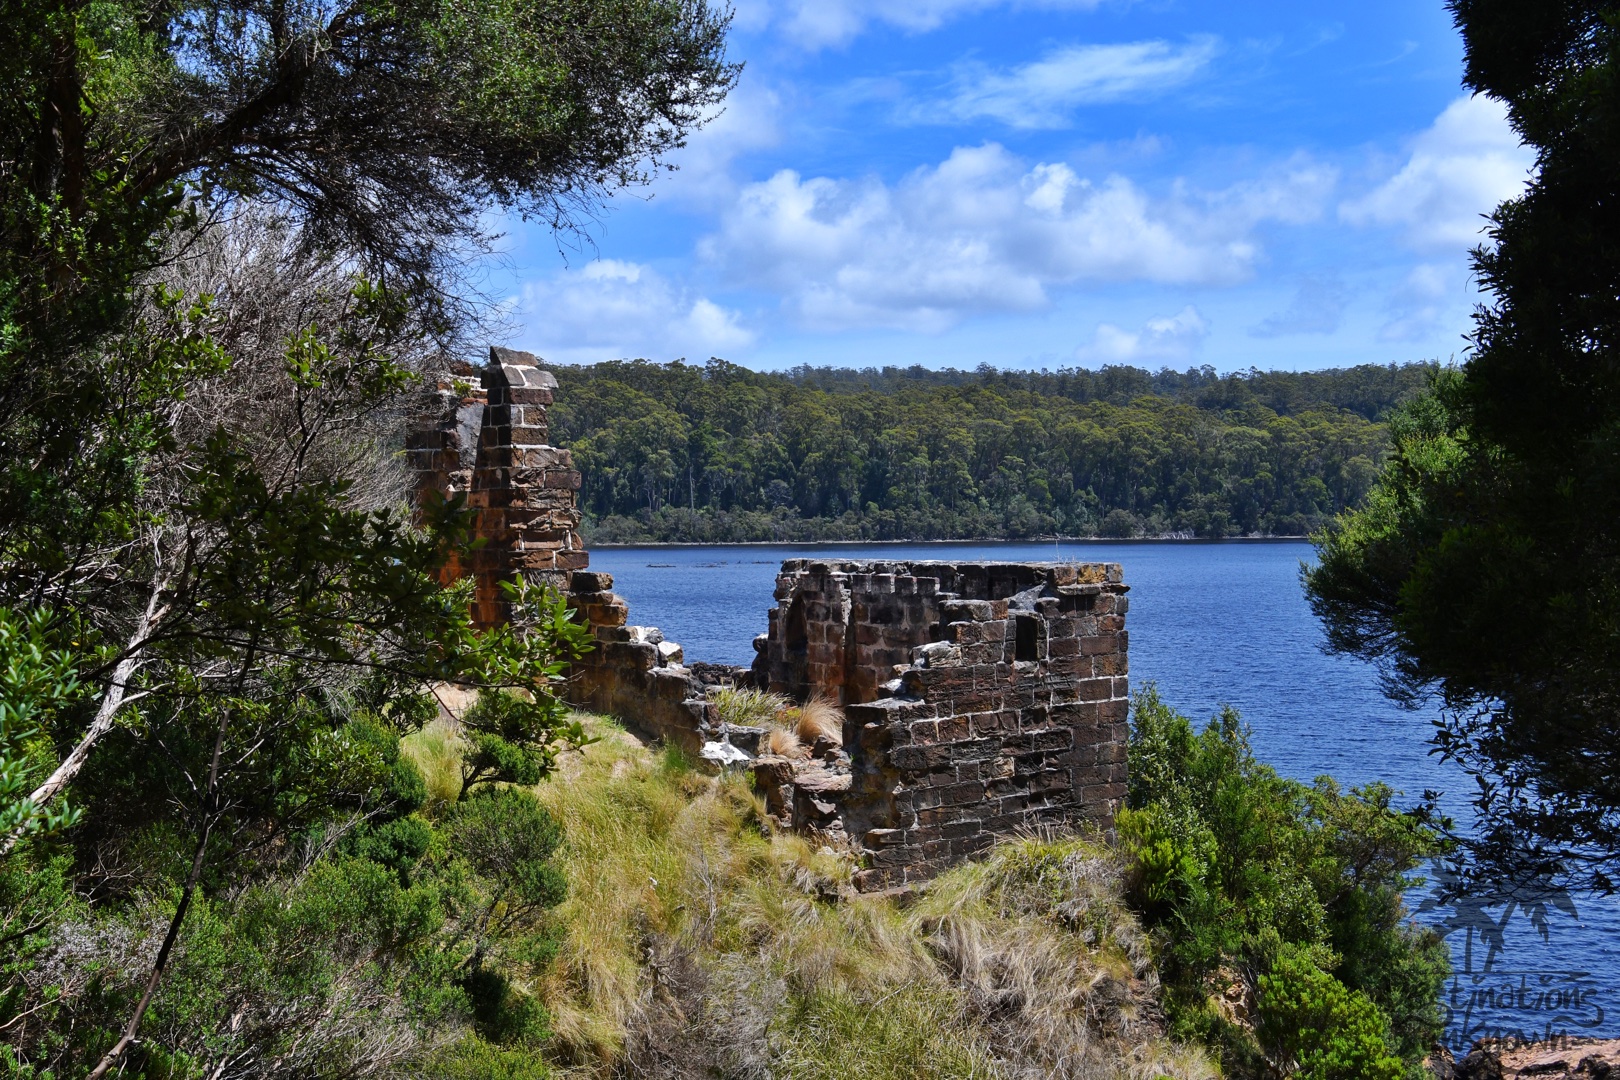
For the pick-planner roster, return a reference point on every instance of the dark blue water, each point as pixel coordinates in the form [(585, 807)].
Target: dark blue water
[(1213, 624)]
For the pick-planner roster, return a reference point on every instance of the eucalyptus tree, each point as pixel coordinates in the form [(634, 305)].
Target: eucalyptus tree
[(381, 134)]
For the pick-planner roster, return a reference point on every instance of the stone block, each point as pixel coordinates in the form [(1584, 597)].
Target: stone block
[(531, 395)]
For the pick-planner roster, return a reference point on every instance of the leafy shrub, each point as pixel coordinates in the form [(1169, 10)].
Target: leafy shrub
[(475, 1059), (511, 739), (1243, 876), (1315, 1028)]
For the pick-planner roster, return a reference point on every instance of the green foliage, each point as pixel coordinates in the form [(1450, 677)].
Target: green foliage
[(1246, 876), (350, 955), (37, 678), (1313, 1028), (508, 837), (747, 707), (719, 453), (1484, 568), (511, 740), (229, 234), (474, 1059)]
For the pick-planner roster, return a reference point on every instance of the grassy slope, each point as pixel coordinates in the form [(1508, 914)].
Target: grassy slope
[(696, 938)]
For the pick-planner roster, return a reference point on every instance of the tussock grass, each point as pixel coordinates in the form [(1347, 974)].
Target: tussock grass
[(700, 942), (783, 743), (818, 718), (747, 707), (436, 750)]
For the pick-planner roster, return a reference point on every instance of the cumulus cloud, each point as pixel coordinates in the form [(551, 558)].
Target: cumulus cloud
[(1171, 339), (1044, 94), (704, 174), (816, 24), (610, 309), (1466, 163), (984, 232), (1316, 309)]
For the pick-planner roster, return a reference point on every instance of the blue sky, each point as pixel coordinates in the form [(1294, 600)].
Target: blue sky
[(1050, 183)]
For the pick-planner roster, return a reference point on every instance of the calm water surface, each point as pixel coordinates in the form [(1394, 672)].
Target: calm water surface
[(1213, 624)]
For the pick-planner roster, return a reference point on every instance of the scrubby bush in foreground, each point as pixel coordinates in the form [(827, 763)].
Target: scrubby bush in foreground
[(1276, 909)]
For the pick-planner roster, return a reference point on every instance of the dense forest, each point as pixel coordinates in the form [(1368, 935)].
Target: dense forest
[(676, 452)]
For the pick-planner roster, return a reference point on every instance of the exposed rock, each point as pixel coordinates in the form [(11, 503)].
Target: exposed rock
[(1557, 1059), (724, 754), (743, 737)]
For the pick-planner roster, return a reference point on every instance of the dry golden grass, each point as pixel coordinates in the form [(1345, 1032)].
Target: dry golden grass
[(701, 942), (783, 743), (819, 718)]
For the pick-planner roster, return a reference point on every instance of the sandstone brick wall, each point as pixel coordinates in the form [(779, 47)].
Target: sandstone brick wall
[(522, 491), (635, 674), (482, 436), (979, 699)]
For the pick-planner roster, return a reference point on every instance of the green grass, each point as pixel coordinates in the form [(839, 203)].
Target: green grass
[(436, 750)]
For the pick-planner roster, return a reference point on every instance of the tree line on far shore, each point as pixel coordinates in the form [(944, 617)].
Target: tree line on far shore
[(715, 453)]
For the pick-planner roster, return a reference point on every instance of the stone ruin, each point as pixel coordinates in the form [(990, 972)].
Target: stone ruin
[(979, 699)]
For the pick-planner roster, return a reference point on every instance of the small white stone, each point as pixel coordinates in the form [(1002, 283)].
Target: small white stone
[(723, 753)]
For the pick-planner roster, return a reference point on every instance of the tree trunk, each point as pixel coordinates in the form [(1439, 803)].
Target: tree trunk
[(111, 702)]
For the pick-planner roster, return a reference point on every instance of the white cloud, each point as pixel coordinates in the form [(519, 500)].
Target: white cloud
[(1426, 302), (1316, 309), (1169, 339), (1466, 163), (610, 309), (982, 232), (816, 24), (1043, 94), (750, 121)]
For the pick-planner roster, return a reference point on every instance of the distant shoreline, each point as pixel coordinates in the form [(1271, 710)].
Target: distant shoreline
[(895, 543)]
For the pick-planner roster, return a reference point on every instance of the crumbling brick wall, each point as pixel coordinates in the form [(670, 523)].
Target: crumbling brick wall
[(979, 699), (489, 447), (482, 436)]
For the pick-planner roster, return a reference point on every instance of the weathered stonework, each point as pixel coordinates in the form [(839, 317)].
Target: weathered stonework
[(979, 699), (482, 436), (521, 490)]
